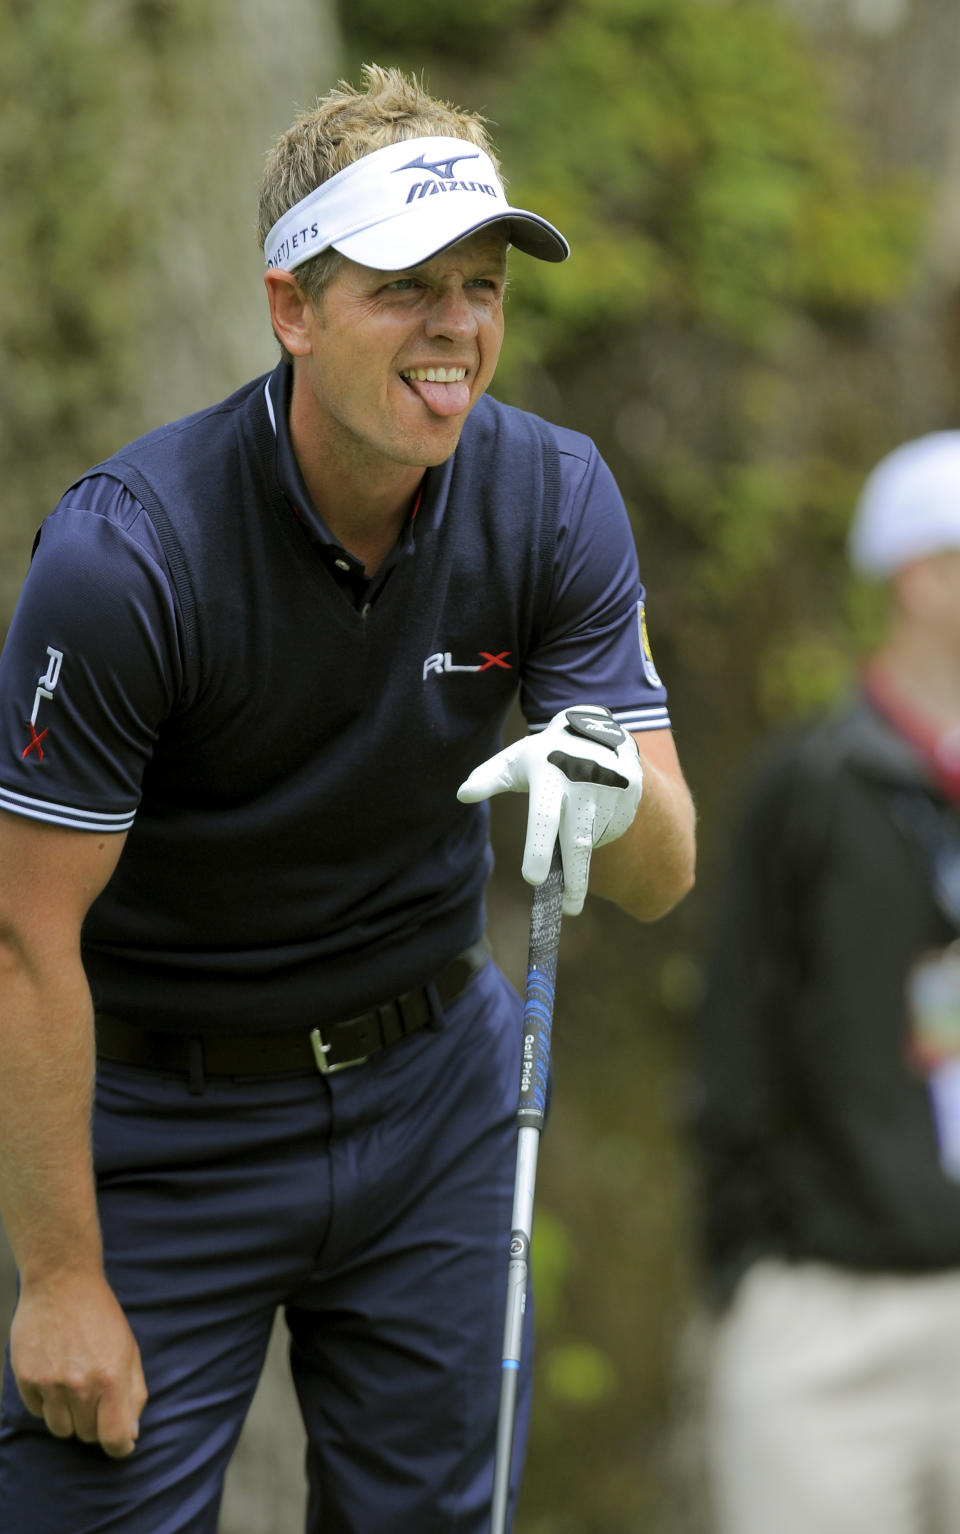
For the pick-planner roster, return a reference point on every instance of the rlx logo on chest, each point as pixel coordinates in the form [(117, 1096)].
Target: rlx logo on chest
[(442, 662)]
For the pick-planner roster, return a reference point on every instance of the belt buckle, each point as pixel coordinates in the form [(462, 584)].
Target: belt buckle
[(321, 1050)]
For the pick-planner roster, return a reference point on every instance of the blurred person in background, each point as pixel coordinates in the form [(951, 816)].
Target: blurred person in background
[(828, 1117), (250, 704)]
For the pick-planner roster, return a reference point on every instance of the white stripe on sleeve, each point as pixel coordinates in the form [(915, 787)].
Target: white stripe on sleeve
[(64, 814)]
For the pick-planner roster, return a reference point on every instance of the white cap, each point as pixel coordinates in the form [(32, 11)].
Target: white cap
[(400, 205), (909, 506)]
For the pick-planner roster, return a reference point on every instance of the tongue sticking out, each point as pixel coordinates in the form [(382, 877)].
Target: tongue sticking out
[(442, 398)]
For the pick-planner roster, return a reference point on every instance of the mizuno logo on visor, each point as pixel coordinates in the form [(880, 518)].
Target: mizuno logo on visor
[(442, 168)]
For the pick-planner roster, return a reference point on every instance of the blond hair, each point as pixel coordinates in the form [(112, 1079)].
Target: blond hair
[(346, 124)]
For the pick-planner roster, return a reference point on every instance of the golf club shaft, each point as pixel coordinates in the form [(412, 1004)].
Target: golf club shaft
[(545, 918)]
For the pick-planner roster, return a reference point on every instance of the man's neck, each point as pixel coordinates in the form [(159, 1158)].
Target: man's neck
[(363, 499)]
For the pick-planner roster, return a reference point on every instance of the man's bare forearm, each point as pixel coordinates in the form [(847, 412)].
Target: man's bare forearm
[(47, 1195), (649, 869), (48, 879)]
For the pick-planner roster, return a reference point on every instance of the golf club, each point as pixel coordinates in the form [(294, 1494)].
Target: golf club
[(545, 918)]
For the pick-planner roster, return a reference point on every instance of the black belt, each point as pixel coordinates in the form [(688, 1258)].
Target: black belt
[(330, 1047)]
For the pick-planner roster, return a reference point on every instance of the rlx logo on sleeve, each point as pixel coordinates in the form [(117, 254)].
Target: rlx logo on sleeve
[(45, 690)]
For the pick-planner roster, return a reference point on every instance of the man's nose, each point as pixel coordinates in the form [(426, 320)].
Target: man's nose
[(452, 314)]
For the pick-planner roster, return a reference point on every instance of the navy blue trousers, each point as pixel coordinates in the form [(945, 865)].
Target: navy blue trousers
[(374, 1206)]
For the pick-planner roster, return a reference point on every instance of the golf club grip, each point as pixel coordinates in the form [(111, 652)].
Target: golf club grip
[(545, 917)]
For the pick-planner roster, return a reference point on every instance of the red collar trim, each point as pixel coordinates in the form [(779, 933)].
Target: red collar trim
[(939, 749)]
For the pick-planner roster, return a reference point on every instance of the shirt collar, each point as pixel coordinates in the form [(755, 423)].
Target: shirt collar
[(278, 388)]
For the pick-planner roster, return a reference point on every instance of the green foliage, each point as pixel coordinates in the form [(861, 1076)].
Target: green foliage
[(800, 673), (436, 28), (74, 232), (580, 1375), (690, 152), (113, 194), (77, 159), (551, 1260)]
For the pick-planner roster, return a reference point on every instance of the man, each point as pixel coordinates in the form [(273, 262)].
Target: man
[(257, 654), (829, 1125)]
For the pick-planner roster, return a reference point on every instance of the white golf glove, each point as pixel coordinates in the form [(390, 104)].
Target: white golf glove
[(585, 780)]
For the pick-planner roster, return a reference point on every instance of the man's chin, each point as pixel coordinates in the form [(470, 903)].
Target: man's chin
[(428, 449)]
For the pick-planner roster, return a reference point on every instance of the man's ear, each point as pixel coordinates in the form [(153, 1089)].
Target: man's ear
[(290, 311)]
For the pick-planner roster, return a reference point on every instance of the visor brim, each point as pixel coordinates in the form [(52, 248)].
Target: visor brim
[(415, 236)]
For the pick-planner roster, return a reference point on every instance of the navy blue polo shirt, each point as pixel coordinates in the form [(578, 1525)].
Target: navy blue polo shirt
[(197, 662)]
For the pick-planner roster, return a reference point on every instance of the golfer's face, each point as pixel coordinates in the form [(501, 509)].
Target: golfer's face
[(940, 601), (398, 359)]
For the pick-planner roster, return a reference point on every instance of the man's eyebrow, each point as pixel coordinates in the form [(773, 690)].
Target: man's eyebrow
[(495, 257)]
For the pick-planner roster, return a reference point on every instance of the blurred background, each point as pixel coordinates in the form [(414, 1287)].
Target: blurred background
[(763, 199)]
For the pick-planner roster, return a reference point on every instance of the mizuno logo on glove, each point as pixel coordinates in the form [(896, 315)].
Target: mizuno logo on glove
[(605, 731)]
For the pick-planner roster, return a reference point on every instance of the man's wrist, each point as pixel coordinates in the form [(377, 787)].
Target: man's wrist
[(75, 1251)]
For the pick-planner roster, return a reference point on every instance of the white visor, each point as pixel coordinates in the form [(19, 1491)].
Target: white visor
[(400, 205), (909, 507)]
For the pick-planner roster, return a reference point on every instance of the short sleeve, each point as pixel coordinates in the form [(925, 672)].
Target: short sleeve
[(91, 665), (594, 646)]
